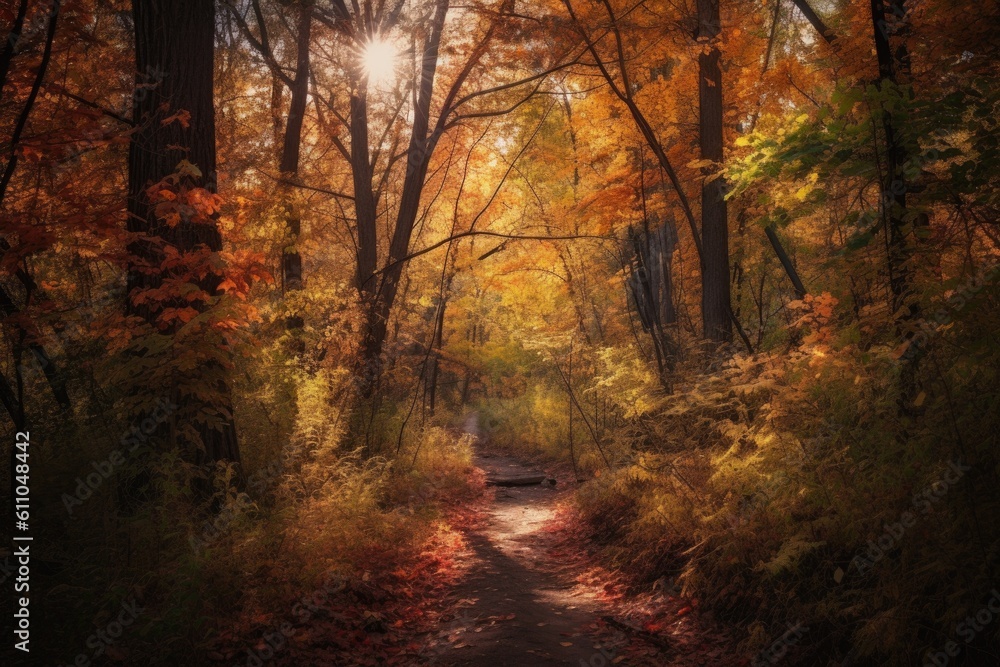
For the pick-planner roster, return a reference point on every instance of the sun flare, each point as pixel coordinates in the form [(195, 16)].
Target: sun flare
[(378, 61)]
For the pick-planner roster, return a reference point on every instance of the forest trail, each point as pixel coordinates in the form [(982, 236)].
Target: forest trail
[(522, 602), (513, 607)]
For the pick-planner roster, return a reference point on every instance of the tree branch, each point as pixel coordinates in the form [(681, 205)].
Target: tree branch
[(509, 237), (261, 46), (30, 102), (816, 22)]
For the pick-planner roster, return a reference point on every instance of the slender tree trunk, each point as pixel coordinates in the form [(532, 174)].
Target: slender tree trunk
[(53, 375), (437, 341), (817, 22), (715, 297), (891, 66), (12, 404), (894, 183), (174, 44), (378, 292), (569, 415), (277, 111), (7, 52), (291, 260), (367, 252), (786, 262)]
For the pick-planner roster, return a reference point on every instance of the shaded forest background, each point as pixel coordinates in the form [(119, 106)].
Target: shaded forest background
[(733, 262)]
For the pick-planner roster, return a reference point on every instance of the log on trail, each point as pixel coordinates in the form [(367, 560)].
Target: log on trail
[(515, 479)]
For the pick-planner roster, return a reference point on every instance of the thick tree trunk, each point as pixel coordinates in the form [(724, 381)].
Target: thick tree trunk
[(174, 44), (715, 297)]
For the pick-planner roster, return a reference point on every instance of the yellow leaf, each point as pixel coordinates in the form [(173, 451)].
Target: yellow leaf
[(185, 168)]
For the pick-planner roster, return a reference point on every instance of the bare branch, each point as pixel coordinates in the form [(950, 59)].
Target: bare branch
[(500, 235), (814, 19), (261, 46), (303, 186)]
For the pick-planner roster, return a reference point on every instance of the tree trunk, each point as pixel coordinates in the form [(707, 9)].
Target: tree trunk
[(7, 53), (650, 285), (174, 44), (715, 297), (291, 260), (894, 182), (53, 375), (378, 292), (367, 253), (11, 403), (786, 262), (815, 20), (437, 341)]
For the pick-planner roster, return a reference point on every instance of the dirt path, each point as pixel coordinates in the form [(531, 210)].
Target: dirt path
[(514, 609)]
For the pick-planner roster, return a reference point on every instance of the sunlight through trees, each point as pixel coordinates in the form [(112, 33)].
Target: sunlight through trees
[(285, 283)]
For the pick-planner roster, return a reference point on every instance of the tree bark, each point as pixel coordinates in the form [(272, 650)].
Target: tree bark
[(7, 53), (715, 296), (379, 292), (55, 378), (435, 352), (291, 259), (815, 20), (12, 405), (174, 45), (894, 187), (786, 262), (29, 104)]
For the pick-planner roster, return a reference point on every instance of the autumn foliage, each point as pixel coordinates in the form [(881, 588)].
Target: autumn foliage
[(419, 228)]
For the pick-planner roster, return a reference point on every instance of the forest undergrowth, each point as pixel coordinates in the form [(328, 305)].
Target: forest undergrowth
[(804, 488)]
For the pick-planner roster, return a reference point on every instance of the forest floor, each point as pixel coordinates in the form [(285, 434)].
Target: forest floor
[(512, 580), (512, 607), (531, 595)]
